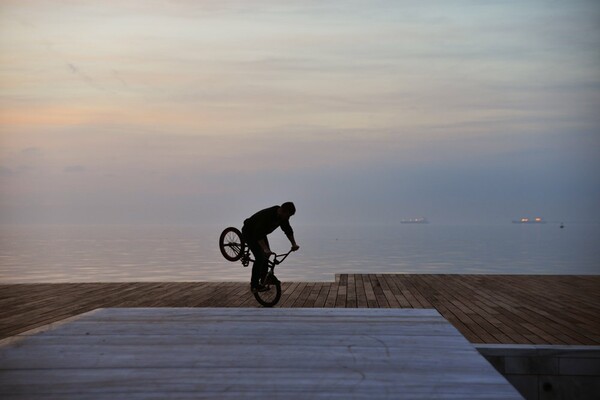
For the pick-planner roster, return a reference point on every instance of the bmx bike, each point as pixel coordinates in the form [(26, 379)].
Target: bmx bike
[(234, 248)]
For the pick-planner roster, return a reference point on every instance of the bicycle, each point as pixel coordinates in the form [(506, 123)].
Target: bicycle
[(234, 248)]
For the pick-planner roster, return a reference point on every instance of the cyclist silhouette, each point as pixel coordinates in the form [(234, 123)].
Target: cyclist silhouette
[(255, 231)]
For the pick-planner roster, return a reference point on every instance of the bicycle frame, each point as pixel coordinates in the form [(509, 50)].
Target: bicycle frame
[(277, 259)]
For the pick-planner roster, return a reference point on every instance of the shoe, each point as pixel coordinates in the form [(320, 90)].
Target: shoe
[(259, 288)]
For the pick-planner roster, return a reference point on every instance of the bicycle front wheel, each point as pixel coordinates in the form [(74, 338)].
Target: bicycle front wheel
[(231, 244), (270, 296)]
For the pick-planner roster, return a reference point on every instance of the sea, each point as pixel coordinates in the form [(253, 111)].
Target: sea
[(151, 253)]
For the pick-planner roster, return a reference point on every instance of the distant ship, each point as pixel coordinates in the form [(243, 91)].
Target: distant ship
[(525, 220), (414, 221)]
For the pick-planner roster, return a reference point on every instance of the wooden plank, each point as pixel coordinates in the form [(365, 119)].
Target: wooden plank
[(303, 295), (401, 283), (509, 309), (490, 311), (323, 293), (342, 291), (387, 292), (371, 299), (505, 313), (332, 295), (378, 290), (224, 352), (465, 313), (312, 296), (561, 327), (361, 296), (221, 383), (419, 295), (519, 313), (351, 300), (396, 291), (294, 295)]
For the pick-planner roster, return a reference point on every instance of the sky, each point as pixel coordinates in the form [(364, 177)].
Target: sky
[(361, 112)]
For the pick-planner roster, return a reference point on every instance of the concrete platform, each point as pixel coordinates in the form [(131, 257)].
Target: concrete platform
[(234, 353)]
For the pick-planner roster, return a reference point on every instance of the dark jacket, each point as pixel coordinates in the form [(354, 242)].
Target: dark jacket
[(264, 222)]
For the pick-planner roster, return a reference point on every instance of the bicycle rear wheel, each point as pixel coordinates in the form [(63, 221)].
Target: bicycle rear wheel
[(231, 244), (271, 296)]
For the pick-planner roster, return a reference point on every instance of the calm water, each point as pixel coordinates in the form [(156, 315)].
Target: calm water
[(190, 253)]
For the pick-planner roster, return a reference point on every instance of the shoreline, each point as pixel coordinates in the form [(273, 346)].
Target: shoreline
[(335, 278)]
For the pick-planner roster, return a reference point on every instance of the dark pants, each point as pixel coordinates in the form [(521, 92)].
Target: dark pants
[(259, 268)]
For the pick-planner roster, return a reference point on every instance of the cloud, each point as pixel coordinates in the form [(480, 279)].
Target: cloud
[(85, 77), (183, 105)]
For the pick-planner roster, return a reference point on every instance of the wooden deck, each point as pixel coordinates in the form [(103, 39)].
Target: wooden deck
[(507, 309), (244, 353)]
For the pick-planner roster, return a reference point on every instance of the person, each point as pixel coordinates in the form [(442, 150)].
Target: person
[(255, 231)]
